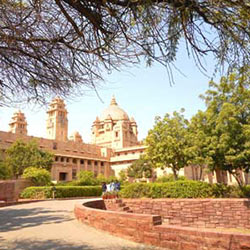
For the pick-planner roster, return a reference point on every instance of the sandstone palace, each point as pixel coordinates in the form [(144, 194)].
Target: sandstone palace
[(114, 145), (114, 141)]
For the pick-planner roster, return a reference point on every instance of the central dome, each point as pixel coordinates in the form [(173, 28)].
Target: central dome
[(114, 111)]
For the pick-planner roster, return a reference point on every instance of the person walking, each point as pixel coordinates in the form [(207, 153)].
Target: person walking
[(104, 187)]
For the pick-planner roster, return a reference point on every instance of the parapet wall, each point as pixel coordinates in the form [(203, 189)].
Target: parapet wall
[(149, 229), (10, 190), (202, 213)]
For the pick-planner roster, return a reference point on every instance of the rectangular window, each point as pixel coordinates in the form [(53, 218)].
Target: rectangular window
[(74, 174)]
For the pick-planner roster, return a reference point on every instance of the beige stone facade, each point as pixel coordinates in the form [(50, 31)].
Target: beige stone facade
[(114, 128)]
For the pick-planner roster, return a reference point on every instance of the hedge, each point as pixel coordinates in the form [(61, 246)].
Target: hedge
[(61, 192), (182, 189)]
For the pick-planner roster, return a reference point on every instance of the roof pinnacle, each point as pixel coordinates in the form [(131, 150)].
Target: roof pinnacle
[(113, 101)]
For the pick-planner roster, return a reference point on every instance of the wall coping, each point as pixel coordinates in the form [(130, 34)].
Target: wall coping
[(186, 199), (122, 214)]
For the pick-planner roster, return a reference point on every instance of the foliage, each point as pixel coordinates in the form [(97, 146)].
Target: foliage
[(168, 178), (55, 46), (101, 178), (111, 178), (123, 176), (39, 177), (86, 178), (222, 133), (182, 189), (21, 155), (5, 172), (61, 192), (140, 168), (168, 143)]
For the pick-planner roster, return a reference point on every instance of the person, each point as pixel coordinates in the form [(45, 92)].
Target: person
[(53, 189), (108, 189), (104, 187), (117, 186), (112, 186)]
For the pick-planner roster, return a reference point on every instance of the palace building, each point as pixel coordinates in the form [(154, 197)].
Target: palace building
[(114, 141), (114, 145)]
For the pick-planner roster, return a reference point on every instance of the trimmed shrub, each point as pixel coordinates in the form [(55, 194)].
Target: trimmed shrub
[(178, 189), (169, 177), (61, 192)]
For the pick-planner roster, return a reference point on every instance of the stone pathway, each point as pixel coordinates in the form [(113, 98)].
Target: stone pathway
[(51, 225)]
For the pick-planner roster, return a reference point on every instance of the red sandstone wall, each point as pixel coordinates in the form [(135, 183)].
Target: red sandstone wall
[(8, 192), (145, 228), (205, 213)]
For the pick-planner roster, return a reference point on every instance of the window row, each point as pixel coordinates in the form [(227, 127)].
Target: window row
[(74, 160)]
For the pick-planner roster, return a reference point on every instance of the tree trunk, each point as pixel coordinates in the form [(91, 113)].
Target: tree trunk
[(175, 173), (238, 178)]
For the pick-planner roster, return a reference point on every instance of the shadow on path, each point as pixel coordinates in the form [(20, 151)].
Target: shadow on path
[(14, 219), (42, 245), (59, 245)]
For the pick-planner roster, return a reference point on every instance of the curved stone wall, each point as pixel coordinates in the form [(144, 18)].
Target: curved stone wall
[(149, 229), (203, 213)]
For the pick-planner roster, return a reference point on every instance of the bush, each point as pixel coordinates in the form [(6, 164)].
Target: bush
[(61, 192), (38, 176), (86, 178), (178, 189), (245, 192), (5, 172), (168, 178), (183, 189)]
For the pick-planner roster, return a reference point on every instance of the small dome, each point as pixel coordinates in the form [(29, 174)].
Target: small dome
[(114, 111)]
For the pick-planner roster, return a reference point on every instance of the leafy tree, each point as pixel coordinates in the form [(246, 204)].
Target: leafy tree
[(86, 178), (38, 176), (199, 141), (227, 128), (21, 155), (168, 143), (123, 175), (140, 168), (56, 46)]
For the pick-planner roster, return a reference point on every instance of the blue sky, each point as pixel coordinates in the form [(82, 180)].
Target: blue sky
[(143, 92)]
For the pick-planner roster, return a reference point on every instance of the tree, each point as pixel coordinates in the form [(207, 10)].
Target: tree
[(38, 176), (140, 168), (53, 47), (168, 143), (227, 129), (86, 178), (199, 141), (5, 172), (21, 155)]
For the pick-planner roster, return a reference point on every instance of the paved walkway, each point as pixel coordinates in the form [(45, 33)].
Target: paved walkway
[(51, 225)]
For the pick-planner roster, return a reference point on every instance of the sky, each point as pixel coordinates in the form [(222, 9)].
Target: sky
[(143, 92)]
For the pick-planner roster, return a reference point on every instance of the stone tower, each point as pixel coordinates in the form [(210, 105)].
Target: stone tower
[(57, 122), (18, 124)]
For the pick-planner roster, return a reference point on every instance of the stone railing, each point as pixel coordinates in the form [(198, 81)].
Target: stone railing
[(149, 228)]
